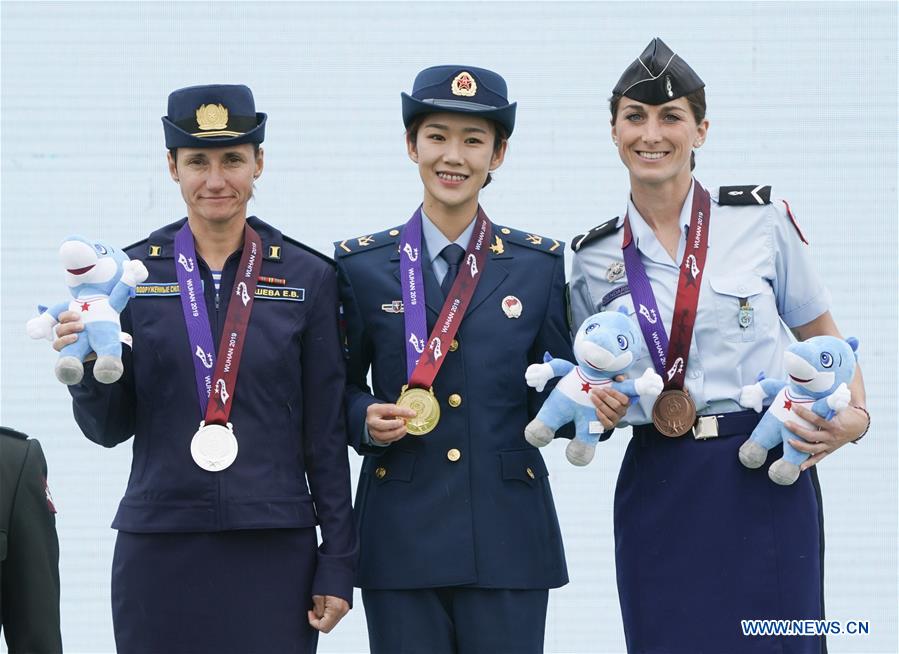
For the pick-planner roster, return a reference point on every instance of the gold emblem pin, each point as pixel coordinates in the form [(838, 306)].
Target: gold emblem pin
[(365, 240), (212, 116), (533, 238), (155, 251), (497, 248), (274, 252), (464, 85)]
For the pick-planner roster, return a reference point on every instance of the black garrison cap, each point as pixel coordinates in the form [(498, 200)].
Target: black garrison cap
[(658, 76)]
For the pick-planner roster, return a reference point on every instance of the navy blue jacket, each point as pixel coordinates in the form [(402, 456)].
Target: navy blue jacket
[(287, 410), (487, 518)]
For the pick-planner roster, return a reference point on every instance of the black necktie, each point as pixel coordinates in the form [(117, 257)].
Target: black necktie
[(452, 254)]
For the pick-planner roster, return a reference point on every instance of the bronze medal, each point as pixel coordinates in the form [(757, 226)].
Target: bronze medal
[(674, 413), (426, 407)]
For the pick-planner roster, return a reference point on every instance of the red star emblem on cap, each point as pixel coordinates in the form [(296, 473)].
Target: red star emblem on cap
[(85, 306), (585, 387), (788, 405), (465, 82)]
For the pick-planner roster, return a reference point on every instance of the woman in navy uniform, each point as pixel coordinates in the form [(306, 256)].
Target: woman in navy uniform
[(217, 548), (459, 539), (701, 541)]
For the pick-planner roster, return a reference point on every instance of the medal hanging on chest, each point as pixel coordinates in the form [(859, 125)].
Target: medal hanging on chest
[(674, 411), (425, 357), (214, 446)]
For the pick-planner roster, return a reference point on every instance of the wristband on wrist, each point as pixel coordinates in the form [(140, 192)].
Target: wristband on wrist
[(868, 426)]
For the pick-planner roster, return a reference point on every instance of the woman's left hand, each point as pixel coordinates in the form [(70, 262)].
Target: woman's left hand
[(327, 610), (833, 434)]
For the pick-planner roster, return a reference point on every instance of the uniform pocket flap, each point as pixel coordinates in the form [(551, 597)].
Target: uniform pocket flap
[(396, 465), (524, 465), (737, 286)]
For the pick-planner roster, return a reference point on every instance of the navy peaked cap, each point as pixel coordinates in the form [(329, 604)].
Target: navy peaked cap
[(658, 76), (460, 89), (212, 116)]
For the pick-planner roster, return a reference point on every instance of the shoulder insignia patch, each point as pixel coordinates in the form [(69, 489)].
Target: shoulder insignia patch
[(598, 232), (739, 195), (527, 239), (366, 242), (303, 246)]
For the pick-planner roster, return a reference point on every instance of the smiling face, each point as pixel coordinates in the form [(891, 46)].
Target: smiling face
[(454, 153), (216, 183), (655, 141)]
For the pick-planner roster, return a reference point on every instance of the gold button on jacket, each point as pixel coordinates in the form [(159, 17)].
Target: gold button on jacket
[(454, 455), (380, 472), (454, 400), (454, 345)]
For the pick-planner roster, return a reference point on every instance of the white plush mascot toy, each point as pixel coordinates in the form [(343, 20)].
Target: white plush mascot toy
[(819, 370), (101, 280), (605, 345)]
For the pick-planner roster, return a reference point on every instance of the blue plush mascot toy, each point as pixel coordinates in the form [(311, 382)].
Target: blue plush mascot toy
[(101, 280), (819, 370), (605, 345)]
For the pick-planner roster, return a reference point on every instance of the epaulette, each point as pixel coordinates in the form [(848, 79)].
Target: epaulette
[(6, 431), (367, 242), (535, 241), (606, 228), (303, 246), (742, 195)]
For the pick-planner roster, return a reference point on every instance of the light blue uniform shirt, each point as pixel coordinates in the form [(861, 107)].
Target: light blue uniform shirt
[(755, 259), (434, 241)]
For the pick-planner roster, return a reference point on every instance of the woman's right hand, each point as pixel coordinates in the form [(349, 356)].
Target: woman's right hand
[(70, 324), (387, 422)]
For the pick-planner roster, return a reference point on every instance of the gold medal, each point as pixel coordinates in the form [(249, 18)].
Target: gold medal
[(426, 407), (674, 413)]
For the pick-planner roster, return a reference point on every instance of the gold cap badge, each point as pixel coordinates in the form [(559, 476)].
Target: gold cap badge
[(212, 116), (464, 85)]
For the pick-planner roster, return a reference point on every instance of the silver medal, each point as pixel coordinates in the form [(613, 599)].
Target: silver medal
[(214, 447)]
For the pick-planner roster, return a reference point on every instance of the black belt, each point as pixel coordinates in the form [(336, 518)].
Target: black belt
[(716, 425)]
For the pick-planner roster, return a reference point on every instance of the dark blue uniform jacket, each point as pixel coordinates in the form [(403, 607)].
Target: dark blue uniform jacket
[(483, 515), (287, 410)]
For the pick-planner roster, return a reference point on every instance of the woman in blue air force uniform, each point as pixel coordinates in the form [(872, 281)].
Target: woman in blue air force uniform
[(459, 539), (702, 542), (224, 558)]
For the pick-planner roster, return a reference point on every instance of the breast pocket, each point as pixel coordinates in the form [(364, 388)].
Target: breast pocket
[(744, 305)]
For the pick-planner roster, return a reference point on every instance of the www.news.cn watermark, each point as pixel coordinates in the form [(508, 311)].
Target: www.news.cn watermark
[(805, 627)]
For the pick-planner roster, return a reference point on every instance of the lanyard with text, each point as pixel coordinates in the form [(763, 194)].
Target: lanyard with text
[(424, 358), (670, 358), (214, 446)]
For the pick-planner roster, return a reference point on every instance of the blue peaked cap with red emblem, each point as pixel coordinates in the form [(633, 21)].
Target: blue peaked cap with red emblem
[(212, 116), (460, 89)]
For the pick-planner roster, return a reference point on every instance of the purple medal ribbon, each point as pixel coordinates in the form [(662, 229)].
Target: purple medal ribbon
[(193, 305), (414, 317), (645, 303)]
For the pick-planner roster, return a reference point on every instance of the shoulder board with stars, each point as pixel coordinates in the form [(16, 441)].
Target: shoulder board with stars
[(528, 239), (598, 232), (367, 242), (744, 195), (302, 246)]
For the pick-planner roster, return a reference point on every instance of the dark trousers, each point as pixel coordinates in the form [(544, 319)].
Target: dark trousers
[(455, 620), (237, 592)]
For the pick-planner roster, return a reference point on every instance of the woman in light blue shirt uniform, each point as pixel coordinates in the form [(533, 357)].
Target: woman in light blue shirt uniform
[(701, 541)]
